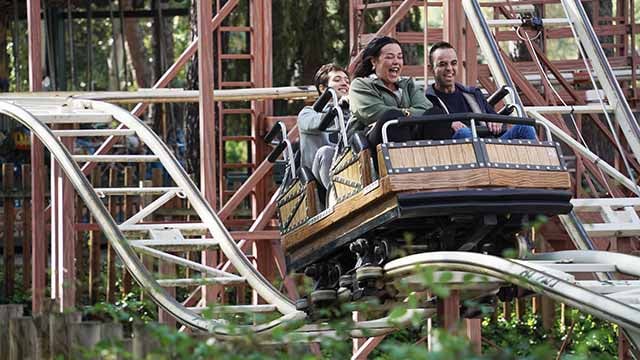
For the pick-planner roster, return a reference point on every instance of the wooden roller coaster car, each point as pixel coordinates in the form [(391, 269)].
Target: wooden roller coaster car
[(472, 194), (431, 195)]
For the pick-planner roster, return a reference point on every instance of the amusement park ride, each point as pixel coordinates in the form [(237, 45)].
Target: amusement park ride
[(451, 205)]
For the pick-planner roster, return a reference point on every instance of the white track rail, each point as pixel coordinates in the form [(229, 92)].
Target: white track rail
[(66, 112), (616, 302)]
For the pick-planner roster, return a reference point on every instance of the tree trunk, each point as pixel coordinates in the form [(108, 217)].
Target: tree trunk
[(4, 56), (191, 112), (137, 52), (314, 48)]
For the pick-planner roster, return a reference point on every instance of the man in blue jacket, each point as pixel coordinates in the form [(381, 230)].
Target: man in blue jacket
[(451, 97)]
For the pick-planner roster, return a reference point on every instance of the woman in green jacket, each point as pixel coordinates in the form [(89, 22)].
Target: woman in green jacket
[(378, 94)]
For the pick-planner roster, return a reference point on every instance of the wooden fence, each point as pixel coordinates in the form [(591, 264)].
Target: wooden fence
[(96, 263), (66, 336), (15, 226)]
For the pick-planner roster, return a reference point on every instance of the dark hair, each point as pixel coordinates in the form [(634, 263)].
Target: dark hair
[(436, 46), (365, 67), (322, 75)]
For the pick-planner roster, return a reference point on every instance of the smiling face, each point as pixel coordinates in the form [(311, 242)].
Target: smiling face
[(444, 67), (339, 81), (388, 65)]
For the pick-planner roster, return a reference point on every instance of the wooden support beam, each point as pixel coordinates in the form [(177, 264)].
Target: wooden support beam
[(9, 230), (170, 74), (473, 331), (27, 236), (38, 251), (449, 312), (207, 122)]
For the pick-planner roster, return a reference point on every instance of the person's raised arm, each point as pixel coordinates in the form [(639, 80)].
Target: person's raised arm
[(309, 120)]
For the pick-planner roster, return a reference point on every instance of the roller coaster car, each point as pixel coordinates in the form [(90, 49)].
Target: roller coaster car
[(429, 195)]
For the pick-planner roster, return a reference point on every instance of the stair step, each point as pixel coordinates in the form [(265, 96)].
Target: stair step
[(575, 268), (184, 262), (610, 286), (235, 309), (164, 226), (135, 190), (115, 158), (76, 117), (94, 132), (221, 280), (178, 246), (617, 230), (518, 22)]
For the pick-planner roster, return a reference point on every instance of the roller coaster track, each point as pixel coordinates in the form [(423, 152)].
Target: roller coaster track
[(548, 274)]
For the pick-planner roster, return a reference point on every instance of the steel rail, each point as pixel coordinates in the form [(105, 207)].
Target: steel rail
[(520, 274), (170, 95), (119, 242), (215, 226)]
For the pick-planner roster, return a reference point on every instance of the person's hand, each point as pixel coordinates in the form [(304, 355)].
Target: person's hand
[(344, 102), (495, 128), (457, 125)]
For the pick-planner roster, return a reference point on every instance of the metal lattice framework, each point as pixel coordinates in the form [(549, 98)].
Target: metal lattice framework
[(615, 67)]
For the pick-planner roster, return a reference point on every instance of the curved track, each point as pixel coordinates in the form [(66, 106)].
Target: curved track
[(549, 274), (74, 111)]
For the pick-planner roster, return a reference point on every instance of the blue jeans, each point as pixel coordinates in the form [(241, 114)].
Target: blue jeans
[(515, 132)]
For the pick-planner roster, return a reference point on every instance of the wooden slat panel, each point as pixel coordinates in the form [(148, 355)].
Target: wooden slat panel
[(365, 165), (530, 178), (382, 166), (542, 156), (468, 154), (358, 201), (397, 158), (440, 180), (491, 152), (428, 156), (552, 155), (455, 154), (444, 158), (328, 234), (523, 154), (310, 200), (420, 157), (511, 155)]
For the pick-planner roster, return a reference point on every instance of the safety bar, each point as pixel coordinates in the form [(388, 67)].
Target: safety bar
[(498, 95), (320, 105), (322, 101), (471, 117), (278, 129)]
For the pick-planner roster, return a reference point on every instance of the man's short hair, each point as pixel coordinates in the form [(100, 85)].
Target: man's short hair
[(436, 46), (322, 75)]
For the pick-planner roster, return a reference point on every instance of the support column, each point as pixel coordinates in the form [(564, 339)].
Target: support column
[(455, 34), (38, 250), (63, 239), (449, 312), (261, 75), (207, 121)]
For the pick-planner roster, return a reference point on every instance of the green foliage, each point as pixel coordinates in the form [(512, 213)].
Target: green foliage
[(588, 337), (127, 310), (585, 336)]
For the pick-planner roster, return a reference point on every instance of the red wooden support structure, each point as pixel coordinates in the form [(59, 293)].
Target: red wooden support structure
[(37, 164), (207, 121), (9, 230)]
